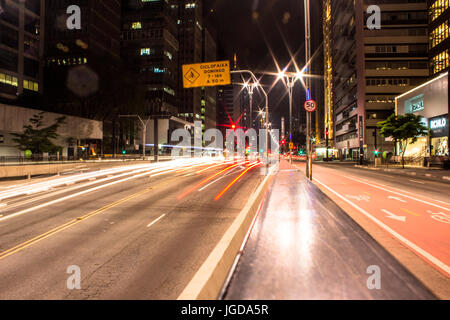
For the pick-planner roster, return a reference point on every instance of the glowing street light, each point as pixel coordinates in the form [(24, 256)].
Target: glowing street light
[(250, 87), (291, 78)]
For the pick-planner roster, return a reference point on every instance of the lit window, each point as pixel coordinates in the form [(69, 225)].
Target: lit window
[(168, 55), (136, 25), (146, 51)]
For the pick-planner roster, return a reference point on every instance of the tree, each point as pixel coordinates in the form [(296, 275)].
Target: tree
[(37, 138), (404, 129)]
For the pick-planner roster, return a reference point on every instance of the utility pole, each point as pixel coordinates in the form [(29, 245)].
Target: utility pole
[(267, 110), (144, 130), (307, 84), (291, 83)]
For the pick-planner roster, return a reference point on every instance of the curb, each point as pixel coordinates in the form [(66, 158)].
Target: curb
[(207, 283), (400, 172)]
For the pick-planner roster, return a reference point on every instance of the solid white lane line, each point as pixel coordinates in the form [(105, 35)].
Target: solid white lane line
[(412, 245), (398, 193), (155, 221)]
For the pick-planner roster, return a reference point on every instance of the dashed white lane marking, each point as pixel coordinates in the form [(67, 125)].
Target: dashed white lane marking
[(155, 221), (417, 181)]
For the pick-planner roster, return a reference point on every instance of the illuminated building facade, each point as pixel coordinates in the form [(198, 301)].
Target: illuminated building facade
[(197, 44), (21, 48), (370, 67), (150, 46), (439, 43), (94, 49), (328, 70)]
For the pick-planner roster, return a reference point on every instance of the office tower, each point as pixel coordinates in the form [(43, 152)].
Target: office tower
[(21, 48)]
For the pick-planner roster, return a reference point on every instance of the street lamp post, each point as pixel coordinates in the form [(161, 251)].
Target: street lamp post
[(267, 108), (144, 129), (291, 78), (307, 85), (250, 89)]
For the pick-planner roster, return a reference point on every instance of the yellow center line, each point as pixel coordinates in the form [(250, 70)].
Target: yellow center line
[(411, 212), (69, 224), (75, 221)]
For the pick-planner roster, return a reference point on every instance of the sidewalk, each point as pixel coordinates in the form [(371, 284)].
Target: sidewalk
[(303, 246)]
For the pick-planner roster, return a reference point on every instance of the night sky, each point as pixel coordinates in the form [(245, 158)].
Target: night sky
[(254, 28)]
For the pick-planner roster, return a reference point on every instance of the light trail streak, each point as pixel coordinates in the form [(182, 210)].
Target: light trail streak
[(201, 183), (138, 174), (235, 180)]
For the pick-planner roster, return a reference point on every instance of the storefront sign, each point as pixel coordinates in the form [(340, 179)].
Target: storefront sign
[(439, 126), (415, 104), (438, 123)]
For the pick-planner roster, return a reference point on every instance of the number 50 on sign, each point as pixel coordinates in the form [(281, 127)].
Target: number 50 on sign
[(310, 106)]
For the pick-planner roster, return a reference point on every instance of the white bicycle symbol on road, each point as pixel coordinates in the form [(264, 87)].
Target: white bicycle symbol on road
[(439, 216)]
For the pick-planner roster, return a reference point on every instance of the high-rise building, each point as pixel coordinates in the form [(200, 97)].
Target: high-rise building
[(21, 48), (209, 94), (367, 68), (439, 44), (150, 46), (328, 70), (317, 67), (95, 46), (197, 44)]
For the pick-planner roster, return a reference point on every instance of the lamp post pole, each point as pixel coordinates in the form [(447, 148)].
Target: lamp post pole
[(144, 130), (307, 84), (291, 83), (267, 109)]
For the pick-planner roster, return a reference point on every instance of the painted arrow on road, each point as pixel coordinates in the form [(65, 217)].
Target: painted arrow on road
[(393, 216)]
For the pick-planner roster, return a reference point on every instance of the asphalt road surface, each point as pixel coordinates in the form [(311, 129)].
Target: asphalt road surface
[(135, 232)]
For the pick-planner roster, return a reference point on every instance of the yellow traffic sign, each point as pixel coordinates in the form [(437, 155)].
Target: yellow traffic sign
[(207, 74)]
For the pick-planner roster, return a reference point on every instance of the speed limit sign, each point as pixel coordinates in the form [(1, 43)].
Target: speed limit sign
[(310, 106)]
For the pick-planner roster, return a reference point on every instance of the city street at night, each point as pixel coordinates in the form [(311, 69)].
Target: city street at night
[(138, 234), (225, 159)]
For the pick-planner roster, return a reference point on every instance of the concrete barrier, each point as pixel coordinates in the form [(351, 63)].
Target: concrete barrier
[(30, 170), (41, 169), (210, 278)]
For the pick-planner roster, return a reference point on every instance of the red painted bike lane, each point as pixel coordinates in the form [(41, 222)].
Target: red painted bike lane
[(421, 223)]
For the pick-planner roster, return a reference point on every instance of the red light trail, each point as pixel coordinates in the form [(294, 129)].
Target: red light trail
[(235, 180)]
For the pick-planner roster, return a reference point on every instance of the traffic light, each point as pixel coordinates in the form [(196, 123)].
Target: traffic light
[(124, 151), (283, 142), (376, 152)]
